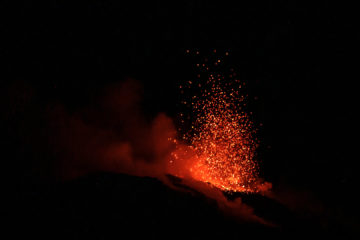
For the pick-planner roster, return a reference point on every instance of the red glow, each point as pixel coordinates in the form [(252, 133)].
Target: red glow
[(222, 144)]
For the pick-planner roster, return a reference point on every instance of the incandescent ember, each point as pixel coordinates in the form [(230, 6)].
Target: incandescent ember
[(221, 143)]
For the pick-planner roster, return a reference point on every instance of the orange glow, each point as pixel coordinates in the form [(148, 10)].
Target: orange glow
[(222, 142)]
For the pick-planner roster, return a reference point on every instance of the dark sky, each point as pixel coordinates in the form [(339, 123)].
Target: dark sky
[(298, 59)]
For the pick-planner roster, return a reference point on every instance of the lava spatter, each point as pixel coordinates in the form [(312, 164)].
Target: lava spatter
[(222, 136)]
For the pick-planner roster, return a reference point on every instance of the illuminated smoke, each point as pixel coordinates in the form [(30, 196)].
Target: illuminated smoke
[(112, 135)]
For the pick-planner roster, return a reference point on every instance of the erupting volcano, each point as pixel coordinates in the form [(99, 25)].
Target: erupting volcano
[(221, 144)]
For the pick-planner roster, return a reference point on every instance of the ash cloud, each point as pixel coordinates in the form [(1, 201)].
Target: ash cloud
[(112, 136)]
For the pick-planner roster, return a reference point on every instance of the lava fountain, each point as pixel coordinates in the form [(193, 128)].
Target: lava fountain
[(220, 147)]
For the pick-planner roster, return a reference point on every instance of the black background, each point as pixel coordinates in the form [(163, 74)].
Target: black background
[(299, 60)]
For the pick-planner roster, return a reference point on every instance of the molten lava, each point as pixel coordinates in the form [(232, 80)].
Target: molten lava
[(221, 144)]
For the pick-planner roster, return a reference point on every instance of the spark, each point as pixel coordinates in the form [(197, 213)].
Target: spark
[(222, 134)]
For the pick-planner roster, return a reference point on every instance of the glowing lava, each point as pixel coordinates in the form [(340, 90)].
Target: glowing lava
[(222, 141)]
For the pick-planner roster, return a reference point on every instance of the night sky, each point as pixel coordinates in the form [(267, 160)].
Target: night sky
[(298, 60)]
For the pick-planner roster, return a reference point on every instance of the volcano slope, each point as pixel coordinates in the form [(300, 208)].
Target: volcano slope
[(107, 205)]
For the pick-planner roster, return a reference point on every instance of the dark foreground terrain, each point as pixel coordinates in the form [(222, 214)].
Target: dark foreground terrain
[(109, 206)]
